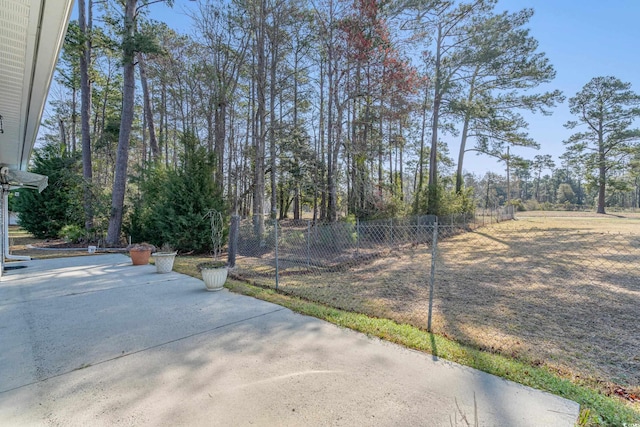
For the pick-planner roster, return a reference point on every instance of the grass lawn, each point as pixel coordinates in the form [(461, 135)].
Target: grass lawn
[(559, 291)]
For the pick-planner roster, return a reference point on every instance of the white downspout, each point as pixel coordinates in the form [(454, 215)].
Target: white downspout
[(5, 218)]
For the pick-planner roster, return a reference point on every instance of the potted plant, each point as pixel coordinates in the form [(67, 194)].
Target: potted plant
[(214, 273), (140, 252), (164, 258)]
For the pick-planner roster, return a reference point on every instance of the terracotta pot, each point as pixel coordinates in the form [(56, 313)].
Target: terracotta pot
[(140, 257)]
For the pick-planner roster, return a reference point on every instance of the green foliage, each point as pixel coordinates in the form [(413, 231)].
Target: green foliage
[(605, 111), (44, 214), (450, 202), (173, 204), (12, 202), (531, 205), (382, 206), (350, 219), (565, 194), (72, 233), (519, 205)]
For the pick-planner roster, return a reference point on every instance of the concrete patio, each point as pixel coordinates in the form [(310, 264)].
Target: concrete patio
[(95, 341)]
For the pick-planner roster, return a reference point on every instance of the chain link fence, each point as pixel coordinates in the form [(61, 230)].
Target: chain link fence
[(538, 291), (382, 268)]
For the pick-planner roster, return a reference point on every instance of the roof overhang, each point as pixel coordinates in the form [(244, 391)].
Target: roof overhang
[(31, 36)]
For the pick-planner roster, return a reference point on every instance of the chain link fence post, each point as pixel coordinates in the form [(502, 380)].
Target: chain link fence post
[(432, 278)]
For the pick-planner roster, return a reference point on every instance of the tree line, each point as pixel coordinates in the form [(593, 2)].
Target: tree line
[(324, 108)]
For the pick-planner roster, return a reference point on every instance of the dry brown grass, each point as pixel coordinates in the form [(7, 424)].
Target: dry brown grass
[(560, 291), (556, 289)]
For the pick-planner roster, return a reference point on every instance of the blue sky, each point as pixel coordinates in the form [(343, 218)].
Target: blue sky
[(582, 39)]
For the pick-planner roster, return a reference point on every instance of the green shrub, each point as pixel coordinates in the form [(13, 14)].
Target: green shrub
[(72, 233), (173, 204), (44, 214), (519, 205), (450, 203), (531, 205)]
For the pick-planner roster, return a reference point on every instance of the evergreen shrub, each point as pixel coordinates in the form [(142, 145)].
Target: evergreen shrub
[(450, 203), (173, 204), (72, 233), (44, 214)]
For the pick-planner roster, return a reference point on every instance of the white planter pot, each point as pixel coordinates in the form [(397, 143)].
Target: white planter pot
[(164, 261), (214, 278)]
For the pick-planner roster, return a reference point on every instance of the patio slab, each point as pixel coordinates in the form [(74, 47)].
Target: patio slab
[(95, 341)]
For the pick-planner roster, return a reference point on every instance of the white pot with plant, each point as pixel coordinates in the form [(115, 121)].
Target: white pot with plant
[(164, 258), (214, 273)]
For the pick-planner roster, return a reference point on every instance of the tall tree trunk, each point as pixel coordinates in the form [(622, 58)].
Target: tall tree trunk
[(333, 186), (232, 186), (74, 119), (148, 110), (105, 101), (126, 121), (210, 126), (319, 179), (432, 204), (420, 172), (391, 149), (508, 159), (380, 139), (602, 171), (272, 124), (259, 135), (63, 133), (330, 137), (85, 21), (333, 140), (143, 152), (465, 133), (164, 123), (351, 154), (220, 126), (401, 170), (296, 201)]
